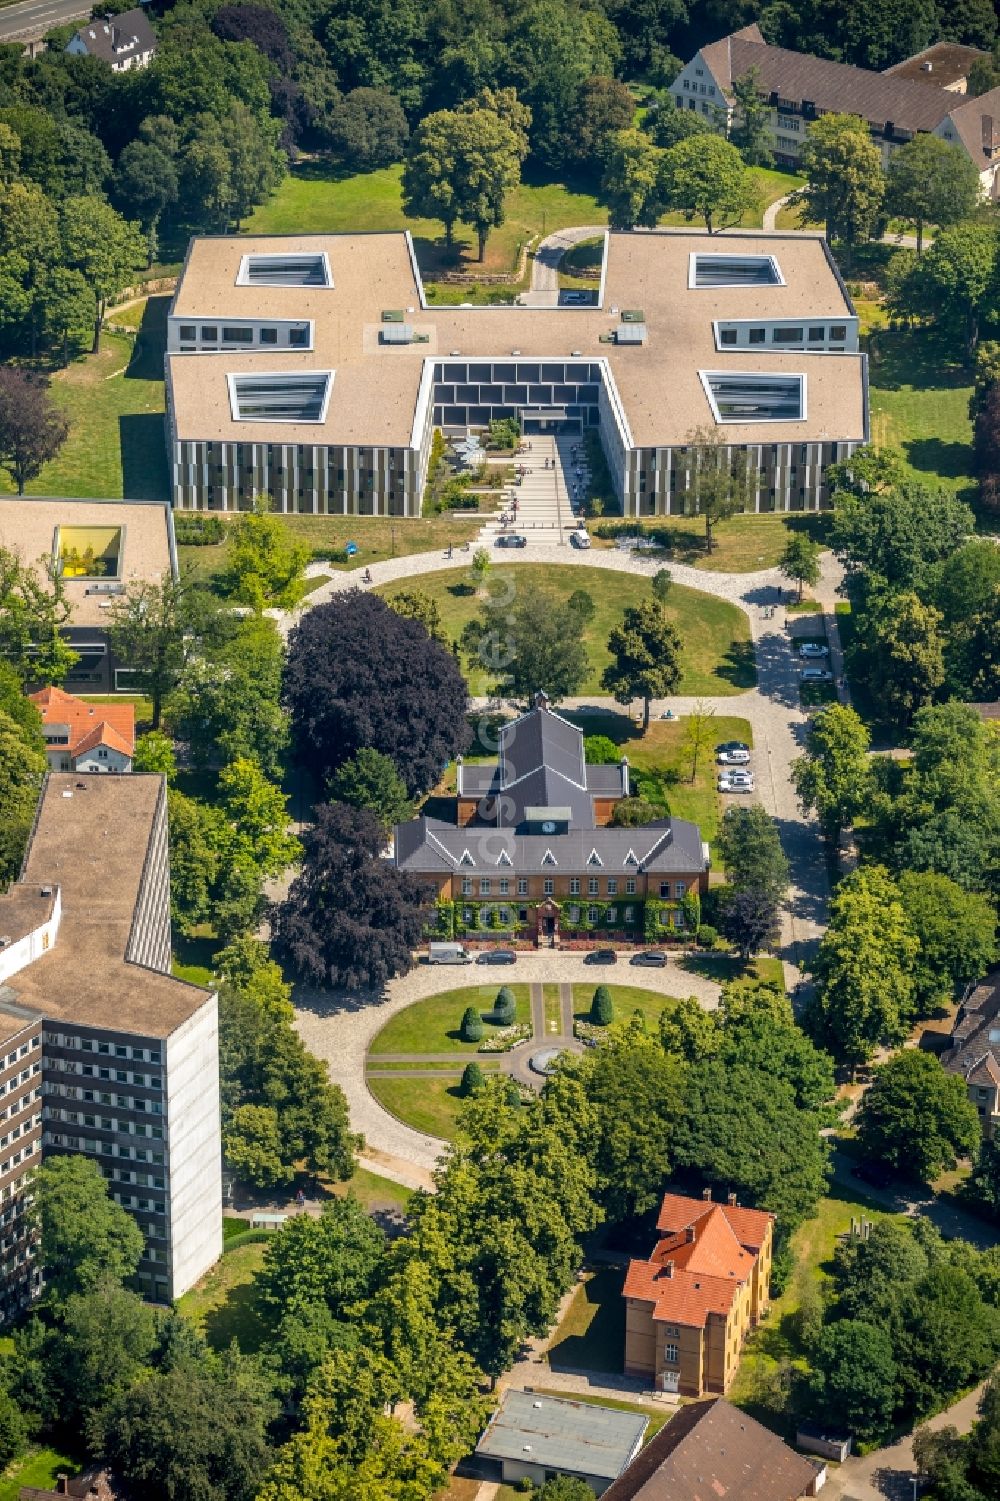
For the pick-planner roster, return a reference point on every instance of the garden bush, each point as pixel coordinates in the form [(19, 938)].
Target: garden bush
[(602, 1011), (473, 1079), (708, 936), (505, 1006), (198, 531), (472, 1025)]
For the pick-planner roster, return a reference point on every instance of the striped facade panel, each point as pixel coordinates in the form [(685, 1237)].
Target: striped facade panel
[(782, 477), (301, 479)]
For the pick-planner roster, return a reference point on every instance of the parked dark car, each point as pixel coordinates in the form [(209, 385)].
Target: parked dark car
[(511, 539), (875, 1173), (497, 956), (653, 958), (601, 956)]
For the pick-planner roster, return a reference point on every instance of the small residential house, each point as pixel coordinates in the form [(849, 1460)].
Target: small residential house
[(123, 42), (691, 1304), (536, 1438), (85, 737), (711, 1449), (526, 847), (93, 1484), (975, 1051), (924, 94)]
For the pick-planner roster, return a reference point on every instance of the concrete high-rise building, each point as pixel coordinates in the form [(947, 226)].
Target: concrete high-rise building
[(102, 1051)]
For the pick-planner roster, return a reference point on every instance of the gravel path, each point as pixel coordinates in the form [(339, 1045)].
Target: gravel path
[(545, 267)]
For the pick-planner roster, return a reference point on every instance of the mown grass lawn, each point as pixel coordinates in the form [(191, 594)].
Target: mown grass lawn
[(427, 1104), (222, 1305), (38, 1468), (114, 403), (591, 1336), (724, 968), (742, 544), (920, 405), (777, 1339), (317, 199), (432, 1025), (716, 657), (626, 1000), (660, 756)]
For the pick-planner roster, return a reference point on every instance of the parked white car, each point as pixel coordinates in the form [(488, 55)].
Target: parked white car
[(735, 781), (813, 649), (736, 755), (817, 675), (579, 538)]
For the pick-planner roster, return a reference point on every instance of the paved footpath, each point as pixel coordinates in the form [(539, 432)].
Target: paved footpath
[(887, 1474)]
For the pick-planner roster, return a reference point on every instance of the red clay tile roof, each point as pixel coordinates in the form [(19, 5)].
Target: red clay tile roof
[(116, 722), (695, 1269), (749, 1225), (712, 1450)]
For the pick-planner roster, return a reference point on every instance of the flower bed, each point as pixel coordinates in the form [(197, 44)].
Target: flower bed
[(506, 1038), (588, 1031)]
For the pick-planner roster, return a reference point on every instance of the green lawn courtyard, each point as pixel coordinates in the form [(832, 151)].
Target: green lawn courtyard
[(432, 1025), (742, 544), (716, 657), (427, 1103), (626, 1000)]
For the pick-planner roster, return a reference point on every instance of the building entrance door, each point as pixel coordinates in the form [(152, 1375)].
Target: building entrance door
[(547, 930), (547, 420)]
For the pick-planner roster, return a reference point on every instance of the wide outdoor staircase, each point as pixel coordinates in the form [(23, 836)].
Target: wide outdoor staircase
[(544, 514)]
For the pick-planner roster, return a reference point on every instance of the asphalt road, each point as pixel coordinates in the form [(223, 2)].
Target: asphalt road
[(33, 18)]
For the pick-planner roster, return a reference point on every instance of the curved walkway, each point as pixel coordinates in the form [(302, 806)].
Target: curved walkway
[(544, 290), (339, 1026)]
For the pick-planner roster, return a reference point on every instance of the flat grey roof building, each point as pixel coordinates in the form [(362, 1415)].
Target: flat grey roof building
[(554, 1433)]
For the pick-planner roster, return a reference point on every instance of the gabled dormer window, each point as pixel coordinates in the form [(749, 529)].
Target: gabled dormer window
[(630, 858), (594, 858), (504, 858), (466, 859), (549, 858)]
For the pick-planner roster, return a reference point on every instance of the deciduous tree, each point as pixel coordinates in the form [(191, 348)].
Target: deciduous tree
[(917, 1117), (704, 178), (750, 849), (749, 133), (833, 778), (631, 185), (33, 613), (335, 1258), (853, 1378), (864, 978), (105, 248), (461, 165), (952, 284), (845, 182), (931, 182), (358, 674), (749, 919), (528, 640), (147, 628), (350, 917), (264, 563), (956, 931), (22, 767), (800, 560), (718, 480), (84, 1236), (32, 428), (645, 652)]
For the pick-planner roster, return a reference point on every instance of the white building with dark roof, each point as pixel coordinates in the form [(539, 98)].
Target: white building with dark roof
[(528, 848), (975, 1051), (906, 100), (532, 1437), (123, 42)]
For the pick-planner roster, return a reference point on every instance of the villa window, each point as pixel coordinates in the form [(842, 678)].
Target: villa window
[(592, 915), (592, 886), (484, 886), (466, 887), (522, 886), (680, 889), (504, 887), (630, 914), (612, 887), (574, 916), (549, 886), (670, 1354), (574, 886), (630, 887), (612, 916), (505, 917)]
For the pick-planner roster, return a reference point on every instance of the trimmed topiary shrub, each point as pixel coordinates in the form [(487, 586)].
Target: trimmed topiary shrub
[(472, 1025), (707, 936), (504, 1007), (602, 1011), (473, 1079)]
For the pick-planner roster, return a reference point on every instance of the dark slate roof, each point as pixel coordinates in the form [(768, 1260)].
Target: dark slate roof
[(428, 845), (711, 1449), (950, 62), (835, 87), (973, 1053), (541, 764), (123, 36)]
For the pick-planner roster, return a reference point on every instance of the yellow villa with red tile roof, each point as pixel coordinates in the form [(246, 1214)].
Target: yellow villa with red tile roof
[(690, 1306)]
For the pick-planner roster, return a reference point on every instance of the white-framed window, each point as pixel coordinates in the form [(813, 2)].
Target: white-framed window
[(484, 886), (612, 916), (466, 886), (574, 886), (548, 886), (630, 886), (593, 886), (284, 396), (522, 886), (707, 270), (504, 887), (670, 1353), (592, 915), (630, 914), (680, 889), (612, 886)]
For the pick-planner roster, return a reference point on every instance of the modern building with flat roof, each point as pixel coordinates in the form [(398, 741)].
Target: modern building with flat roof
[(311, 368), (536, 1438), (106, 1053), (98, 548)]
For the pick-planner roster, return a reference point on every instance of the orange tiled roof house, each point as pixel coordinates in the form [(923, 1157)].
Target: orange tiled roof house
[(689, 1308), (85, 737)]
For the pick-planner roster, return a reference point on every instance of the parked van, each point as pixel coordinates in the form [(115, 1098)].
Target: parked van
[(448, 953)]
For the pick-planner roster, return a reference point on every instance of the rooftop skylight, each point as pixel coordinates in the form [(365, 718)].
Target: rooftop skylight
[(751, 397), (722, 270), (291, 269), (298, 396)]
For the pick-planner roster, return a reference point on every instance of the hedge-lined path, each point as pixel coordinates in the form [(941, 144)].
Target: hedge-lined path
[(339, 1026)]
